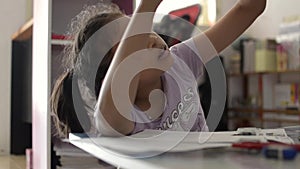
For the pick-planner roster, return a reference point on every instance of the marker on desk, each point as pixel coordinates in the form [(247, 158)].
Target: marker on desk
[(279, 152), (271, 150)]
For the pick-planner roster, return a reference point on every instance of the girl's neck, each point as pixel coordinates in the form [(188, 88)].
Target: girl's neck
[(142, 97)]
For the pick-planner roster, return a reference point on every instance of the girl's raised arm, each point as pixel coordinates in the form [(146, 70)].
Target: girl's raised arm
[(228, 28), (129, 44)]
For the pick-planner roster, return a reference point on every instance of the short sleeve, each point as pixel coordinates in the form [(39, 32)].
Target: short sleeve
[(187, 51)]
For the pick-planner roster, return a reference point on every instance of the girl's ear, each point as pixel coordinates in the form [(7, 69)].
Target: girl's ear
[(152, 41)]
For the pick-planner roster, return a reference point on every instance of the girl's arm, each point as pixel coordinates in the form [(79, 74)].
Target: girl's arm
[(228, 28), (106, 108)]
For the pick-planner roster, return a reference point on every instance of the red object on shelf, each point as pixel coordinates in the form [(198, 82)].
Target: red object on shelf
[(192, 11), (184, 31), (60, 37)]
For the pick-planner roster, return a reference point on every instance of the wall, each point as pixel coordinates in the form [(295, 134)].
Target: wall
[(224, 6), (12, 15), (266, 26)]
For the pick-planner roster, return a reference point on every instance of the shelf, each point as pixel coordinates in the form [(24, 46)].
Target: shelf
[(262, 73), (282, 121), (289, 112), (265, 120), (249, 110), (25, 32), (244, 110), (295, 36), (60, 42), (243, 118)]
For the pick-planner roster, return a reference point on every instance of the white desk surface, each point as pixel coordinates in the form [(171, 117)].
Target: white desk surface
[(219, 158)]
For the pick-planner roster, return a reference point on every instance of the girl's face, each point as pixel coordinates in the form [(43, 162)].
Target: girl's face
[(162, 59)]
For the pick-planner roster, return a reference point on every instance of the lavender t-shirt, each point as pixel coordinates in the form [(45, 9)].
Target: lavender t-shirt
[(183, 111)]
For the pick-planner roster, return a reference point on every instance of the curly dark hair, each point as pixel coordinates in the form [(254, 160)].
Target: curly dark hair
[(77, 63)]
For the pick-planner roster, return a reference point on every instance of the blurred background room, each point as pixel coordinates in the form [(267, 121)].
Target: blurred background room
[(262, 70)]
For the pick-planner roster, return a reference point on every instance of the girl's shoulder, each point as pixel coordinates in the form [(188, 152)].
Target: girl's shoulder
[(188, 53)]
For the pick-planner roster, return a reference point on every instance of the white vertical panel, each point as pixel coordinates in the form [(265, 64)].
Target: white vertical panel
[(40, 84)]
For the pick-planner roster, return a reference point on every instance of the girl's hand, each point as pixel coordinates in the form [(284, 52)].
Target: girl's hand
[(149, 5), (255, 6)]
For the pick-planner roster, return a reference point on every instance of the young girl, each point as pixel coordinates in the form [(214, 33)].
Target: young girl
[(136, 69)]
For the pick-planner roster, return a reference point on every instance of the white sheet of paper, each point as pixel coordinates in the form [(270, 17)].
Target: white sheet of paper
[(150, 141), (277, 135)]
